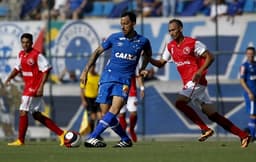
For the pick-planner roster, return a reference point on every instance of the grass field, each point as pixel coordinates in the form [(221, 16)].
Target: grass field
[(146, 151)]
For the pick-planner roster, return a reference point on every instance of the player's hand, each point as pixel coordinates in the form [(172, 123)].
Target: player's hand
[(7, 83), (142, 94), (251, 96), (85, 104), (40, 92), (196, 77), (144, 73), (83, 78)]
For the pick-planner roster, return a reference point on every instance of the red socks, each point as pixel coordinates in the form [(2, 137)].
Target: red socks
[(227, 125), (191, 114), (122, 122), (50, 124), (23, 125)]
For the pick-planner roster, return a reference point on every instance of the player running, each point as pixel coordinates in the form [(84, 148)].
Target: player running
[(192, 60)]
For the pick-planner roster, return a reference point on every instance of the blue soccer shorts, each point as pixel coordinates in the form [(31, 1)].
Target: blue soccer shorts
[(108, 90)]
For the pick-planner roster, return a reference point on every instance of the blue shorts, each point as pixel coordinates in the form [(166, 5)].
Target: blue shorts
[(250, 107), (108, 90)]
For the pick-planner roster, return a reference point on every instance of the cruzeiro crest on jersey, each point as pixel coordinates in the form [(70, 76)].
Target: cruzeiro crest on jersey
[(9, 46), (74, 45)]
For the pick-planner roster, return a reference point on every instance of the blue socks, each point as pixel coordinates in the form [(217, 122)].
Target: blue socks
[(251, 125), (109, 120)]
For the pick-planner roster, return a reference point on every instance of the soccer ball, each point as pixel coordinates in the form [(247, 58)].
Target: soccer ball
[(72, 139)]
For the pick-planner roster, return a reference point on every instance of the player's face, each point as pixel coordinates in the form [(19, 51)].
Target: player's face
[(250, 55), (26, 44), (126, 25), (174, 30)]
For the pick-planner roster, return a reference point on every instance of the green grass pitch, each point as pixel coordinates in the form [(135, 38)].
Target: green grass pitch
[(143, 151)]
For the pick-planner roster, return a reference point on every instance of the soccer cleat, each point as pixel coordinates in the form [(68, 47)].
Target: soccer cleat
[(122, 144), (16, 143), (205, 135), (133, 135), (61, 138), (94, 142), (245, 141)]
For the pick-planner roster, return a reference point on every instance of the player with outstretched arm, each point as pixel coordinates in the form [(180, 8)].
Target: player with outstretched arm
[(192, 60), (127, 47)]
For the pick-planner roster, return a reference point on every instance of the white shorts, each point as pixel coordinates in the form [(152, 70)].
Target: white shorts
[(199, 94), (32, 104), (131, 105)]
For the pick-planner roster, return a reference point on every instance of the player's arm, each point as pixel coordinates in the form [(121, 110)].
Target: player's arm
[(141, 85), (202, 51), (44, 67), (40, 90), (163, 60), (246, 88), (11, 76), (92, 60), (243, 83), (158, 63), (147, 54), (209, 58), (82, 95)]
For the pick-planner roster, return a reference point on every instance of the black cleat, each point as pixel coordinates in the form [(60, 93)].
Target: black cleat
[(93, 142), (122, 144)]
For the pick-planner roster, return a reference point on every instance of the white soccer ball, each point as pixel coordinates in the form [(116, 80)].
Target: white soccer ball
[(72, 139)]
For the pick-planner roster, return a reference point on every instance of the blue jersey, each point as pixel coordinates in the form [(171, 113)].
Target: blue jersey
[(248, 73), (124, 57)]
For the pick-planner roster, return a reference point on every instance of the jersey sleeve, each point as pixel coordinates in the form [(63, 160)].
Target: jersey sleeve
[(166, 54), (107, 43), (200, 48), (43, 64), (242, 71)]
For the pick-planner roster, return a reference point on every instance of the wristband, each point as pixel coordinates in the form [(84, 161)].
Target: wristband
[(142, 88)]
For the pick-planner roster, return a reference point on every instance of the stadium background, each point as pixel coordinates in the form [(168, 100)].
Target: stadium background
[(69, 44)]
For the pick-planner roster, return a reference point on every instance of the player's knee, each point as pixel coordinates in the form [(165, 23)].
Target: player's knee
[(22, 113), (37, 115), (180, 103)]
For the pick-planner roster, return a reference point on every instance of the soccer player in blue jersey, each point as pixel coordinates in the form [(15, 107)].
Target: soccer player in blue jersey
[(248, 82), (127, 47)]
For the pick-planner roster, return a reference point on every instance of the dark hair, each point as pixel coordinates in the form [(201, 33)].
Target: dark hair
[(27, 35), (177, 21), (251, 48), (131, 15)]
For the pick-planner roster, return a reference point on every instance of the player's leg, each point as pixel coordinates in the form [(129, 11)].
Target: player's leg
[(91, 112), (23, 125), (23, 121), (117, 104), (36, 105), (122, 117), (182, 105), (226, 124), (250, 107), (104, 99), (132, 104)]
